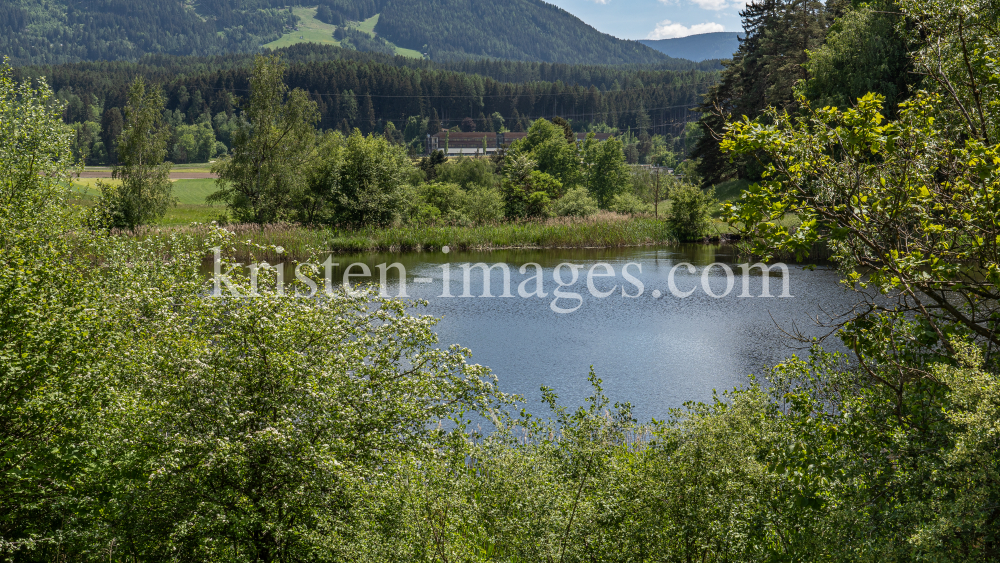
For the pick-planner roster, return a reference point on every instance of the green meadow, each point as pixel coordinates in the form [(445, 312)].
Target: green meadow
[(190, 194), (311, 30)]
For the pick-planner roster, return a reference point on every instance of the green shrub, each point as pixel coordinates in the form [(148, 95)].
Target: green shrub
[(538, 204), (457, 218), (483, 205), (468, 172), (576, 203), (690, 211), (424, 214), (445, 196), (438, 203), (542, 182), (415, 176), (629, 204)]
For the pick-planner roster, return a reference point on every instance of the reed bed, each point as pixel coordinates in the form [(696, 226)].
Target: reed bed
[(605, 230)]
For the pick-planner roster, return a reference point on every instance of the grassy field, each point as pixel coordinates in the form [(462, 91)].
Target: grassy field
[(204, 167), (185, 214), (190, 194), (311, 30), (368, 26)]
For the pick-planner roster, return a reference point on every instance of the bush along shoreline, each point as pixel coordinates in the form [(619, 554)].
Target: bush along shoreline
[(604, 230)]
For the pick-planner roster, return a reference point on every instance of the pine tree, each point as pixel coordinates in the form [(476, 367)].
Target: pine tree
[(369, 113), (111, 127), (642, 121), (435, 123), (762, 73)]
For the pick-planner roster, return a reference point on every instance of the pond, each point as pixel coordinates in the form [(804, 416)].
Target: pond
[(669, 339)]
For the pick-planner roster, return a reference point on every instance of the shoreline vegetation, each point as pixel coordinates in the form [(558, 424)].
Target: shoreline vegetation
[(604, 230)]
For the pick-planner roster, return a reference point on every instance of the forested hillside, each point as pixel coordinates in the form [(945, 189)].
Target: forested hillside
[(528, 30), (59, 31), (372, 92), (704, 46), (338, 12)]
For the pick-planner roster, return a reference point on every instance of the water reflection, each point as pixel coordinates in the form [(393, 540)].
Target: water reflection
[(656, 353)]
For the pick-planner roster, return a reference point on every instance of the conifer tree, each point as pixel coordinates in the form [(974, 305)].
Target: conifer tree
[(435, 123), (763, 72)]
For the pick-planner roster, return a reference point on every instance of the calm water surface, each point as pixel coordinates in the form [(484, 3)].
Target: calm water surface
[(656, 353)]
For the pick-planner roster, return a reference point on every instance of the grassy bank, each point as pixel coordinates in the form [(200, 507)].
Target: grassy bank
[(190, 194), (605, 230)]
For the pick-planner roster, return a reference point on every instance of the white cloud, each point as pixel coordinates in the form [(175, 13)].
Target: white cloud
[(668, 30), (716, 5), (602, 1), (712, 4)]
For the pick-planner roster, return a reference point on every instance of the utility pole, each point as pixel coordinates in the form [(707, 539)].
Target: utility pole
[(656, 197)]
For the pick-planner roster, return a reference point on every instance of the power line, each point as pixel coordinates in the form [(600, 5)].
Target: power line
[(472, 96), (563, 115)]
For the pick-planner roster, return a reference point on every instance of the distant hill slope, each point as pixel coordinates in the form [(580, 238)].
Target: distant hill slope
[(704, 46), (59, 31), (67, 31), (527, 30)]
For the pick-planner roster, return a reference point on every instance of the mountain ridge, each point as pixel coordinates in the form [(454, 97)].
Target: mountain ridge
[(67, 31), (699, 47), (450, 29)]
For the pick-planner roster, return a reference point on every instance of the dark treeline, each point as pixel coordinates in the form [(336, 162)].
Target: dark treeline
[(338, 12), (162, 67), (368, 92), (358, 40), (49, 32), (598, 75), (456, 29)]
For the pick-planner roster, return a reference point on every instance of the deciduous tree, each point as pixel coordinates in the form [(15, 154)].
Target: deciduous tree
[(263, 172), (143, 191)]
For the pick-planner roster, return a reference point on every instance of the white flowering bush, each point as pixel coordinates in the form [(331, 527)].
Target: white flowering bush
[(248, 420), (144, 418)]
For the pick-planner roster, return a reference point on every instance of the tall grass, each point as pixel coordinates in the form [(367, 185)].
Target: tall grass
[(600, 231)]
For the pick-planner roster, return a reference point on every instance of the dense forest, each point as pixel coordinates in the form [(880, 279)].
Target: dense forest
[(338, 12), (530, 30), (59, 31), (369, 92), (829, 54)]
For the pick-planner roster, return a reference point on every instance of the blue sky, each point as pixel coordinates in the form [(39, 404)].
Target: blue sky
[(656, 19)]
